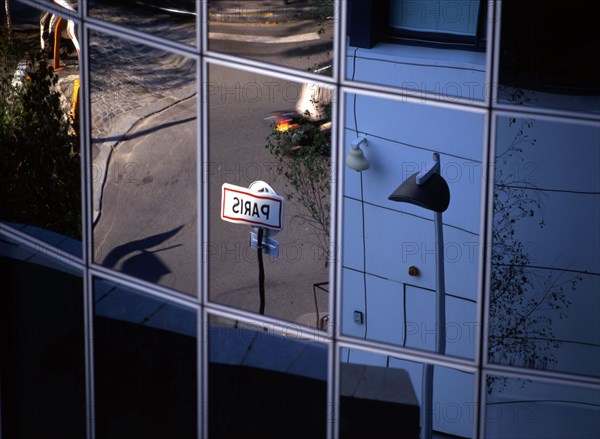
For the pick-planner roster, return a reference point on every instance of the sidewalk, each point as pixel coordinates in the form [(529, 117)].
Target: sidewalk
[(257, 11), (122, 96)]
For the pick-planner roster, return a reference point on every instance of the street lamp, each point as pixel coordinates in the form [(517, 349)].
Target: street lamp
[(429, 190)]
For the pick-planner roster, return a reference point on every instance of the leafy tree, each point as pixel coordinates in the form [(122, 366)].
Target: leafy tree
[(325, 10), (303, 154), (40, 164), (523, 302)]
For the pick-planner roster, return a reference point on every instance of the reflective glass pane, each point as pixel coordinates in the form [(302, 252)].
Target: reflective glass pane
[(519, 408), (545, 272), (172, 19), (40, 167), (42, 363), (391, 277), (380, 393), (547, 57), (143, 111), (145, 364), (290, 33), (259, 132), (425, 46), (261, 384), (72, 5)]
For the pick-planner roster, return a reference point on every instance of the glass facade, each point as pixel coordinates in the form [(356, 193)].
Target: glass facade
[(42, 344), (296, 218), (145, 380)]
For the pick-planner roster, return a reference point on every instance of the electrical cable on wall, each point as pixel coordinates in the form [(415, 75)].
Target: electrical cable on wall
[(362, 206)]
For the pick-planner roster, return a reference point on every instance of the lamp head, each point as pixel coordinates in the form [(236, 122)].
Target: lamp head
[(356, 159), (433, 194)]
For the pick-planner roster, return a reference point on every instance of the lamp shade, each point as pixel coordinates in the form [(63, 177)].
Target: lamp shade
[(356, 159), (433, 194)]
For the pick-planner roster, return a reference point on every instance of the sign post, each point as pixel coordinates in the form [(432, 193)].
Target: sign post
[(260, 207)]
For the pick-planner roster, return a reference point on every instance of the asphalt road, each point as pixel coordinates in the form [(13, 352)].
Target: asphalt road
[(237, 155), (297, 45), (148, 224)]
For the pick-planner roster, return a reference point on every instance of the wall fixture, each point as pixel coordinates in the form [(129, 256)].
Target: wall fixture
[(356, 159), (429, 190)]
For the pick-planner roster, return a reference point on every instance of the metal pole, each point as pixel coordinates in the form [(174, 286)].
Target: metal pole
[(60, 25), (440, 331), (427, 402), (440, 322), (261, 271), (440, 305)]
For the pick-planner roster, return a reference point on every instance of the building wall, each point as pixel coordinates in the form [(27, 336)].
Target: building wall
[(544, 206)]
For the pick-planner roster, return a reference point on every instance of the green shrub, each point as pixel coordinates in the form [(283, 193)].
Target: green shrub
[(40, 160)]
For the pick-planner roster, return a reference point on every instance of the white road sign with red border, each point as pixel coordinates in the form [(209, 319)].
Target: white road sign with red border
[(241, 205)]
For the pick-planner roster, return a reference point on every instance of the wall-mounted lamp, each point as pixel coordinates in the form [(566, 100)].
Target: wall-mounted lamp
[(429, 190), (356, 159)]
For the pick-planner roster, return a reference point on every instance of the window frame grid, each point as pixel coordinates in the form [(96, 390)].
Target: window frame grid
[(335, 341)]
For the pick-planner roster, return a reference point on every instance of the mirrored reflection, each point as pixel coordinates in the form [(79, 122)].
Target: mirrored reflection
[(71, 5), (143, 110), (545, 273), (42, 364), (393, 289), (539, 69), (290, 33), (39, 128), (261, 384), (380, 393), (145, 361), (536, 410), (272, 141), (426, 46), (172, 19)]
